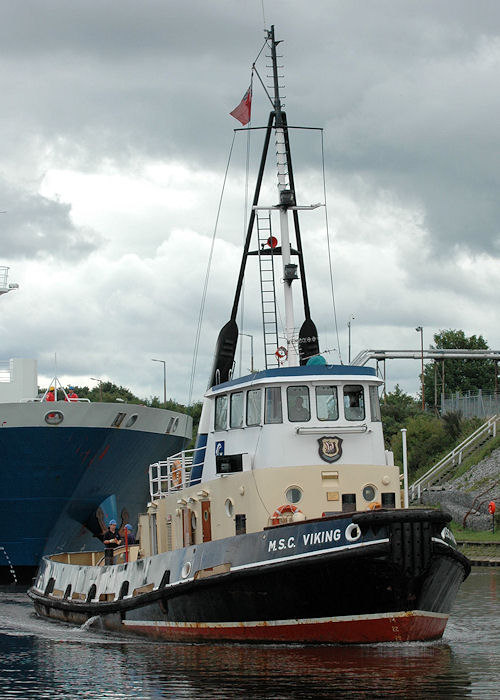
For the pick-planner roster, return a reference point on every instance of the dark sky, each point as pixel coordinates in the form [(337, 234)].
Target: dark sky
[(116, 133)]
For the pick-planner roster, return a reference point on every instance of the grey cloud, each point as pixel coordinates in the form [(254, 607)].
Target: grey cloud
[(34, 226)]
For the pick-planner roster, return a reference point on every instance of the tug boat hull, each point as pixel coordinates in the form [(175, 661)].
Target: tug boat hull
[(300, 583)]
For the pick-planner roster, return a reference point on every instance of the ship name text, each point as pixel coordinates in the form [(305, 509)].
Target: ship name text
[(308, 540)]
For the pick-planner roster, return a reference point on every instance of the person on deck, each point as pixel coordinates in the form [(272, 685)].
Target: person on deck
[(72, 396), (111, 540), (49, 396), (130, 538)]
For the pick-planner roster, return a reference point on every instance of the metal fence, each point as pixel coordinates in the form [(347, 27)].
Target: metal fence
[(470, 405)]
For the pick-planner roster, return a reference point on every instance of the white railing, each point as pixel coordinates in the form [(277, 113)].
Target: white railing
[(455, 457), (174, 473), (5, 372)]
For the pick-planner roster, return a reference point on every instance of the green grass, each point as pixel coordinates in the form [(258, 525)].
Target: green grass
[(480, 536), (488, 543), (472, 552)]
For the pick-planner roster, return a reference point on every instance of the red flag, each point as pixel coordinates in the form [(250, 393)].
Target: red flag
[(242, 111)]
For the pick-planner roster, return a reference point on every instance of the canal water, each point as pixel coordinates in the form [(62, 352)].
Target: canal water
[(42, 659)]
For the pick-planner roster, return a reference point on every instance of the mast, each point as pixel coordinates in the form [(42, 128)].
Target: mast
[(287, 198), (308, 344)]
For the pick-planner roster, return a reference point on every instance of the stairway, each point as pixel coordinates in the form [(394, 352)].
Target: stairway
[(439, 473)]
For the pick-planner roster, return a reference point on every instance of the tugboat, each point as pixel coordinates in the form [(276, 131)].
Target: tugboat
[(284, 523)]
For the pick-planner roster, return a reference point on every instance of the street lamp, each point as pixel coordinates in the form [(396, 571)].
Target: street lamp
[(420, 330), (164, 380), (351, 318), (251, 350), (100, 386)]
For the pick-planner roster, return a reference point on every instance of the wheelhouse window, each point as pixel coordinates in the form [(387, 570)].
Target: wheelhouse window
[(236, 410), (220, 422), (273, 412), (374, 404), (354, 402), (327, 406), (298, 403), (253, 406)]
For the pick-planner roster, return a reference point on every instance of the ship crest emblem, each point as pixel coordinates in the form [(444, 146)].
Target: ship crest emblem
[(330, 449)]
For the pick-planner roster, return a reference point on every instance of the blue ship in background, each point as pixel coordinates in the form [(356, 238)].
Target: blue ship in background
[(67, 468)]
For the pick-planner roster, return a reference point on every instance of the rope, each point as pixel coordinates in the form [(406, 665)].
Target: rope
[(11, 567), (207, 275), (329, 248)]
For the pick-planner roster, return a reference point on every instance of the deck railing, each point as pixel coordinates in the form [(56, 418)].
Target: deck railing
[(174, 473)]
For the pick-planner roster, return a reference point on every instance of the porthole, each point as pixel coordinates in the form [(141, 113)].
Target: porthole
[(229, 505), (54, 418), (294, 494), (193, 521), (369, 492), (131, 420), (186, 569)]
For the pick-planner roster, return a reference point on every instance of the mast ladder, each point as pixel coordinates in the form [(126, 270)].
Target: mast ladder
[(267, 288)]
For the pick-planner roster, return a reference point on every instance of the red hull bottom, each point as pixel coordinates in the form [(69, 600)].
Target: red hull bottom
[(412, 626)]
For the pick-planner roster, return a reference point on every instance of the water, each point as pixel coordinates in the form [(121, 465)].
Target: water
[(42, 659)]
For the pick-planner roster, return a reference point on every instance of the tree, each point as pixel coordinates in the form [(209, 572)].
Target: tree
[(459, 375), (397, 408), (426, 439)]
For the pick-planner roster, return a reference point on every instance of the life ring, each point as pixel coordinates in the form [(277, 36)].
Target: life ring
[(281, 353), (176, 472), (276, 516)]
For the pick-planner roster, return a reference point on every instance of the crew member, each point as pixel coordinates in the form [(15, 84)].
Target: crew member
[(71, 395), (130, 538), (111, 540), (49, 396)]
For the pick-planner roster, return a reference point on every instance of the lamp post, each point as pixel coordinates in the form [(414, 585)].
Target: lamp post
[(420, 330), (251, 350), (351, 318), (100, 386), (164, 363)]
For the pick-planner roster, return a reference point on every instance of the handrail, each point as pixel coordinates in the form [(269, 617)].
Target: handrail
[(172, 474), (454, 457)]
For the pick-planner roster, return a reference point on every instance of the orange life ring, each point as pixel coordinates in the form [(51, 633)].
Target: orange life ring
[(281, 353), (176, 473), (276, 516)]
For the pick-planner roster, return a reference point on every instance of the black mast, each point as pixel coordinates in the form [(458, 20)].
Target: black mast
[(228, 337)]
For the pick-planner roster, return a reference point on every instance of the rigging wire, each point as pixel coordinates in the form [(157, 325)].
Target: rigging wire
[(263, 14), (329, 247), (207, 275), (245, 217)]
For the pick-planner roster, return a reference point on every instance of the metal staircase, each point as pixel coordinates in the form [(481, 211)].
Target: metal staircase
[(439, 473), (267, 288)]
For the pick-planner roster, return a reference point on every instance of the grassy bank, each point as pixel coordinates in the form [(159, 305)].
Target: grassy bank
[(477, 544)]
